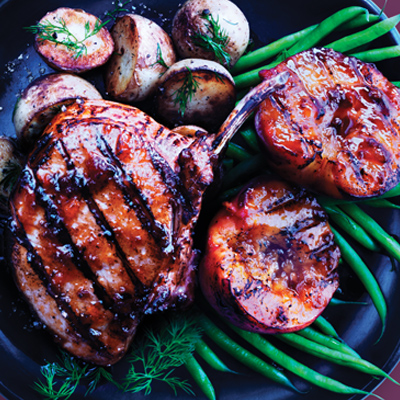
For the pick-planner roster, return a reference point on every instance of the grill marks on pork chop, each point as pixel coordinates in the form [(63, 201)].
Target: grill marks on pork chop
[(99, 236)]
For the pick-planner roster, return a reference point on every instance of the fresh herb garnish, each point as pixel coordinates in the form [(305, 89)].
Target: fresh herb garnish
[(11, 172), (160, 58), (59, 34), (215, 41), (154, 357), (185, 93), (62, 378), (159, 353), (118, 8)]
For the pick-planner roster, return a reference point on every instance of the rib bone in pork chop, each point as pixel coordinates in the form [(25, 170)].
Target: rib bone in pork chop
[(103, 218), (335, 127)]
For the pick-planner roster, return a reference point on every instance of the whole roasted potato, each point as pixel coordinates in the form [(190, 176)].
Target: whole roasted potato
[(212, 29), (143, 52), (270, 261), (195, 92)]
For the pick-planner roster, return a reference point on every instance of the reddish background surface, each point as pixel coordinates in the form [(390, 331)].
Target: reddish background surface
[(388, 390)]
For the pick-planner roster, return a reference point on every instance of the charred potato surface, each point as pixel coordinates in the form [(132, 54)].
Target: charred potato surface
[(194, 91), (92, 44), (335, 127), (44, 98), (270, 261), (143, 51), (219, 21)]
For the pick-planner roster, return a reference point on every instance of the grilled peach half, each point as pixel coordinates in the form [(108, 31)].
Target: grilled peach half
[(270, 264), (334, 127)]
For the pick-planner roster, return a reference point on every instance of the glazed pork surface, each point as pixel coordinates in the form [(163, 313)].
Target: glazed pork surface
[(335, 127), (103, 218), (103, 226)]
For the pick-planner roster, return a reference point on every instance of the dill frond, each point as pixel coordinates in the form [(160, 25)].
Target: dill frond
[(59, 34), (215, 40)]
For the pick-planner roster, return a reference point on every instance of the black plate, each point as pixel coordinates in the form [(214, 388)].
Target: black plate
[(24, 346)]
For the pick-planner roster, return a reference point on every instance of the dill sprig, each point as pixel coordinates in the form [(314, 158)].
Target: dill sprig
[(59, 34), (154, 357), (215, 41), (159, 353), (160, 58), (118, 8), (62, 378), (11, 171), (185, 93)]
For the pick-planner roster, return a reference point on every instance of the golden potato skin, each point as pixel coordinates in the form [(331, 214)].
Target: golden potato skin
[(212, 99), (270, 260), (44, 98), (335, 127), (98, 47), (135, 70), (189, 21)]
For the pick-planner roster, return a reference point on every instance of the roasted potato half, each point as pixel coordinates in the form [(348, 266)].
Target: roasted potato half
[(72, 40), (143, 52), (43, 99), (270, 261), (10, 168), (196, 92), (212, 29)]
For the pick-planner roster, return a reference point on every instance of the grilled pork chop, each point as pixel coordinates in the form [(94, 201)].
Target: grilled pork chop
[(335, 127), (103, 219)]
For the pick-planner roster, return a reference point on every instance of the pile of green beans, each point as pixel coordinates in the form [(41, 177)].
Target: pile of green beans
[(245, 161), (350, 17)]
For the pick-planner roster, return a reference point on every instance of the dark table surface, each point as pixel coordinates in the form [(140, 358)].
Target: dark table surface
[(388, 390)]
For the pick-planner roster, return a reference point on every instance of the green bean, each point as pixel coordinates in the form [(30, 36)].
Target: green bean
[(325, 327), (255, 165), (389, 243), (324, 28), (333, 356), (327, 341), (359, 21), (383, 203), (330, 201), (250, 137), (394, 192), (229, 193), (352, 228), (289, 363), (241, 354), (376, 55), (364, 274), (200, 377), (274, 48), (237, 152), (270, 50), (347, 18), (351, 42), (250, 78), (337, 302), (209, 356)]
